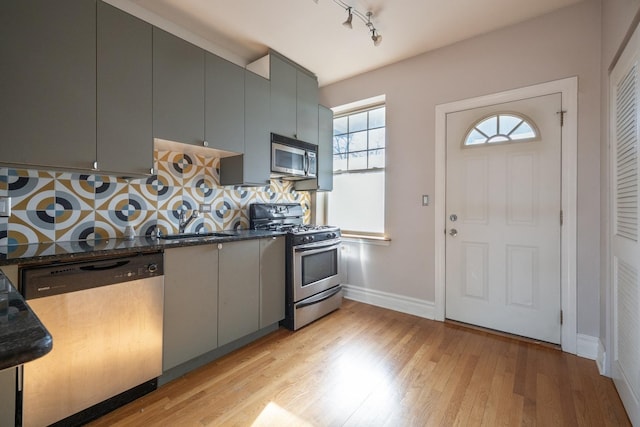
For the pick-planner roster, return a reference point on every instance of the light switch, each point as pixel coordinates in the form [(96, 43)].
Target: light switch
[(425, 200), (5, 206), (205, 207)]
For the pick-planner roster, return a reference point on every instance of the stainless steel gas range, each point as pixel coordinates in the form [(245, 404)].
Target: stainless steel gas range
[(312, 261)]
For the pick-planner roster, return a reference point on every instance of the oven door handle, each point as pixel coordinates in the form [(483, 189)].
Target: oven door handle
[(319, 297), (313, 248)]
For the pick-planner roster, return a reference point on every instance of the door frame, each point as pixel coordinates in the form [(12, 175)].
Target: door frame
[(568, 87)]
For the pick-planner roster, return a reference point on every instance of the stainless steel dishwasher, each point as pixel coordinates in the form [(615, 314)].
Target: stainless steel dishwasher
[(105, 317)]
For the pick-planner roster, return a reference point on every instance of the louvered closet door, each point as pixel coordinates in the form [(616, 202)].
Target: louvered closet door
[(625, 262)]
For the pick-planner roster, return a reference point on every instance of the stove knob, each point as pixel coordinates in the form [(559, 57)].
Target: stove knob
[(331, 235), (312, 238), (306, 239)]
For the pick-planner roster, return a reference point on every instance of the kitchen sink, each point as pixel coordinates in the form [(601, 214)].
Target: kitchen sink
[(195, 235)]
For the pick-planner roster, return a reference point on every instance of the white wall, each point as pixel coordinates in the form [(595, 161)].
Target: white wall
[(562, 44), (617, 16)]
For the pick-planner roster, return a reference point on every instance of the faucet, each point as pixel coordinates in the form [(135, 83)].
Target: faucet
[(183, 221)]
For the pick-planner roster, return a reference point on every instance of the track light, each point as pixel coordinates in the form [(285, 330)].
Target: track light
[(347, 23), (365, 18), (377, 38)]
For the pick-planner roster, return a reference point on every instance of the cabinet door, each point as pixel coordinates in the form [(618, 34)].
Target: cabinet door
[(307, 107), (190, 303), (7, 397), (124, 77), (224, 101), (325, 148), (48, 84), (257, 146), (238, 310), (272, 280), (178, 89), (253, 167), (283, 97)]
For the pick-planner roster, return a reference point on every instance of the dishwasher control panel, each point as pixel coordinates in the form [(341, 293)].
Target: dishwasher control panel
[(55, 279)]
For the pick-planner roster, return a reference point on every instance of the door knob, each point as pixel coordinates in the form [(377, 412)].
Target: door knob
[(453, 232)]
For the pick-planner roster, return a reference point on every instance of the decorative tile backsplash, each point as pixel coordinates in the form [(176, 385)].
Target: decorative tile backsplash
[(49, 206)]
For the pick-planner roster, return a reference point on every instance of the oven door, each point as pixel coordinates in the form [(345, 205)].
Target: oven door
[(315, 268), (288, 161)]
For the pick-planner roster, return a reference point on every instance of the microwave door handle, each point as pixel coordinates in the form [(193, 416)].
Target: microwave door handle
[(306, 163)]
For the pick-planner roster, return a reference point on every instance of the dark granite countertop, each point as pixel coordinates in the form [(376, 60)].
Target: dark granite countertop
[(23, 337), (69, 251)]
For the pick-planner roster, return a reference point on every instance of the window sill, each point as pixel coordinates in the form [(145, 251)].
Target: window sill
[(364, 239)]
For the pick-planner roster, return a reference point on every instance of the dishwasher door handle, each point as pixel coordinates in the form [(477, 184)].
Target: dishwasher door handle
[(104, 267)]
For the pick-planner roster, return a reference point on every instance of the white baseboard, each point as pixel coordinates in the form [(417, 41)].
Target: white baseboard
[(601, 361), (587, 346), (395, 302)]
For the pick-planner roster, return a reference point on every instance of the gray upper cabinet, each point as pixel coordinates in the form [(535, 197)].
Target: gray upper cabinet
[(178, 89), (324, 180), (283, 77), (325, 148), (224, 104), (253, 167), (307, 107), (257, 144), (124, 95), (48, 84), (294, 100), (272, 280), (238, 310)]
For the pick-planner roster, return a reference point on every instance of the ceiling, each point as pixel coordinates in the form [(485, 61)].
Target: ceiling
[(311, 33)]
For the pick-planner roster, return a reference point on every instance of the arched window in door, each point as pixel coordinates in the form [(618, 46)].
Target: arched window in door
[(501, 128)]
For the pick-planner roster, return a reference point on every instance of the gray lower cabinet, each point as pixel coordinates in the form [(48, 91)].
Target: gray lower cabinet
[(124, 92), (272, 280), (7, 397), (190, 303), (178, 89), (48, 84), (239, 297), (224, 104), (253, 167)]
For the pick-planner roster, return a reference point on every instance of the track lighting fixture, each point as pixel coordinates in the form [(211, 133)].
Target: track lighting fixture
[(365, 18), (347, 23)]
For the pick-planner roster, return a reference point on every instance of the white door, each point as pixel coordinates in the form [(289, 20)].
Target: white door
[(503, 203), (625, 250)]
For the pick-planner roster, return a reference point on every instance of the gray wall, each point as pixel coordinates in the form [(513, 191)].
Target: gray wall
[(617, 16), (558, 45)]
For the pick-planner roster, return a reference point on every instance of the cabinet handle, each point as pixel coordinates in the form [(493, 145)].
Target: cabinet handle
[(151, 171), (205, 143), (95, 165), (219, 246)]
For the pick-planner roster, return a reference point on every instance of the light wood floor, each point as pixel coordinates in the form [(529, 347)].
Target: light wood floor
[(367, 366)]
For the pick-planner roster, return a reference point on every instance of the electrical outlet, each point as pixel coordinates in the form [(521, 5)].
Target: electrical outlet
[(205, 207), (5, 206), (425, 200)]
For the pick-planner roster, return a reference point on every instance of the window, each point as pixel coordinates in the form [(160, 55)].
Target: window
[(356, 203), (501, 128)]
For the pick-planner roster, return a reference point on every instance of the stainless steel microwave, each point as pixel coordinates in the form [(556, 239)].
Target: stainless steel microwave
[(292, 159)]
